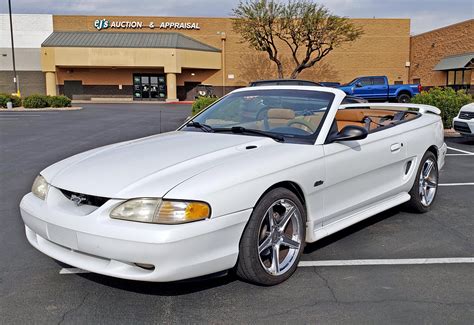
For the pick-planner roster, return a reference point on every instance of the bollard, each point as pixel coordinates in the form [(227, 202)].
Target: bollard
[(9, 105)]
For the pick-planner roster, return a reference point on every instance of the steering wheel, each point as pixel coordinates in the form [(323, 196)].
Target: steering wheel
[(305, 123)]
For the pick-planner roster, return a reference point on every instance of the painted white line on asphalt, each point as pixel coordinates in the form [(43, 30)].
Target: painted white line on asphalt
[(72, 270), (456, 184), (8, 118), (463, 151), (402, 261), (459, 154)]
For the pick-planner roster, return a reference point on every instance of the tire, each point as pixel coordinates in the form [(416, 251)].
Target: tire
[(425, 188), (403, 98), (283, 236)]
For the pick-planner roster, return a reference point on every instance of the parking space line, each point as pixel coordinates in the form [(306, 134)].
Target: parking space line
[(459, 154), (460, 150), (402, 261), (456, 184), (72, 270)]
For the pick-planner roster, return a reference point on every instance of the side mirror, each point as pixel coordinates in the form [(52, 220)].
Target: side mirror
[(349, 133), (358, 84)]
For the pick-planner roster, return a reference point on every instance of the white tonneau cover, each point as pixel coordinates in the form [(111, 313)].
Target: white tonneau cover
[(421, 108)]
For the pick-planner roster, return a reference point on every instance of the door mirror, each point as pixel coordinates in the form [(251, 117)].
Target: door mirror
[(358, 84), (349, 133)]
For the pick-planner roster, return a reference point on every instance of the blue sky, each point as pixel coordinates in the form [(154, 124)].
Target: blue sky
[(425, 14)]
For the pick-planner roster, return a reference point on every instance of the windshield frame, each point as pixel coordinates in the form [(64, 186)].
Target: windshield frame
[(288, 138)]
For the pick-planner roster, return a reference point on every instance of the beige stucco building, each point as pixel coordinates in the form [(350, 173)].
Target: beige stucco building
[(165, 58), (444, 56)]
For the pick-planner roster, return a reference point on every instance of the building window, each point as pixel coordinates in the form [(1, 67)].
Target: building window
[(398, 82), (416, 81), (458, 77), (451, 78), (467, 77)]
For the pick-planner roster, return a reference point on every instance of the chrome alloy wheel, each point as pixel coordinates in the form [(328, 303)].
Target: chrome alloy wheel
[(280, 237), (428, 182)]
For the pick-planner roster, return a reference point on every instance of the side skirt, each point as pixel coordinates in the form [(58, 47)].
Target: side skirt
[(357, 216)]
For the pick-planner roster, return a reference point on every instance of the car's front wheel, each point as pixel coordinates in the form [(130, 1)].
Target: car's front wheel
[(273, 240)]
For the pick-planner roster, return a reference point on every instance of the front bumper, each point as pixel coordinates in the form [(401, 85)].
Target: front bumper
[(465, 127), (94, 242)]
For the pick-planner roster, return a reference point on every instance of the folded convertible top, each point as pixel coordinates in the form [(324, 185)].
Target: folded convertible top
[(421, 108)]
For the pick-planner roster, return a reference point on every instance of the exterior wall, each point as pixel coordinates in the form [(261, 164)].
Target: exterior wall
[(172, 60), (429, 48), (31, 82), (29, 32), (383, 49)]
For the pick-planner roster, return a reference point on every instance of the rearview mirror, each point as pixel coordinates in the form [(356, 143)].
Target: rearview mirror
[(349, 133), (358, 84)]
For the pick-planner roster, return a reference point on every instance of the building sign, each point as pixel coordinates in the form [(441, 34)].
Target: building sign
[(100, 24)]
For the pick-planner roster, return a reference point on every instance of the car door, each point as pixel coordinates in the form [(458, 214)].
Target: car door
[(363, 172), (363, 87), (379, 87)]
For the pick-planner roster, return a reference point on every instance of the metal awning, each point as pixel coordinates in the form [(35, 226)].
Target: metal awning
[(126, 40), (454, 62)]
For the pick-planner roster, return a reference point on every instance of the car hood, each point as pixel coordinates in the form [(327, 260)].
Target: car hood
[(149, 166), (468, 108)]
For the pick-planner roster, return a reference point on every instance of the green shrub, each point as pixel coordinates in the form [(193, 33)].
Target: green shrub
[(5, 98), (201, 103), (447, 100), (59, 101), (36, 101)]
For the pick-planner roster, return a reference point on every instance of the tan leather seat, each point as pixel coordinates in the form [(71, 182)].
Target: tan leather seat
[(279, 116), (346, 117), (359, 117)]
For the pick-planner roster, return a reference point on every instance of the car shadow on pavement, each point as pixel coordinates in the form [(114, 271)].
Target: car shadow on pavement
[(312, 247), (176, 288), (461, 140)]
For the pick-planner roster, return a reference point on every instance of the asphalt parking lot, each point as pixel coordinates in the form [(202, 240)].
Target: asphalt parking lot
[(32, 290)]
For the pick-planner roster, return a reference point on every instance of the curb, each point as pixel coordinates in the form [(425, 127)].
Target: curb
[(450, 133), (46, 109), (184, 102)]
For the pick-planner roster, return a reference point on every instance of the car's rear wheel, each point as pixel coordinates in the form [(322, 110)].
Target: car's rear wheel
[(273, 240), (423, 192), (403, 98)]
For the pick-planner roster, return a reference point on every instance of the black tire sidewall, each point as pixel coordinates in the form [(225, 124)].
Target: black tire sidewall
[(403, 96), (253, 270)]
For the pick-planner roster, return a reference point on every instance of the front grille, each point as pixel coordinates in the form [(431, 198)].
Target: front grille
[(84, 199), (461, 127), (466, 115)]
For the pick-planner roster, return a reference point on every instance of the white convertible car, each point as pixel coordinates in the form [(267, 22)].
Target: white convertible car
[(243, 185)]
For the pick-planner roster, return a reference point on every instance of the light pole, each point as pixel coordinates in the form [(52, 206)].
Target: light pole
[(15, 77)]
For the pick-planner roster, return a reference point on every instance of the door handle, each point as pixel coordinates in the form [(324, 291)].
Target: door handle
[(396, 147)]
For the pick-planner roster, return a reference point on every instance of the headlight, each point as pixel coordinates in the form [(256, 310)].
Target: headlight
[(40, 187), (161, 211)]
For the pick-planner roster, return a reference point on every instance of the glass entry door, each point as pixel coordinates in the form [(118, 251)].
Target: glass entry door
[(149, 87)]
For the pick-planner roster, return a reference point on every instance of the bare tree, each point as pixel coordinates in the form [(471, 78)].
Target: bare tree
[(307, 29), (255, 65)]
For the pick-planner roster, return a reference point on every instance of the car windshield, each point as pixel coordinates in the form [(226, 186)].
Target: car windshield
[(289, 114)]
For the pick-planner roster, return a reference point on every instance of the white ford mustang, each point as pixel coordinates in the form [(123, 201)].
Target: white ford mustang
[(243, 185)]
